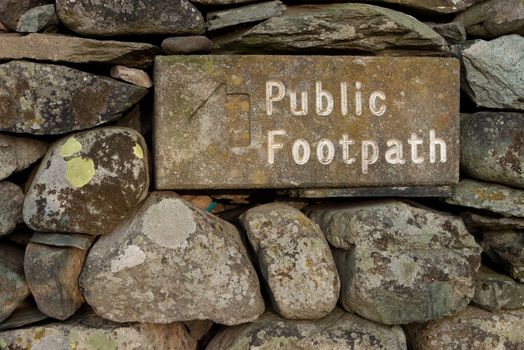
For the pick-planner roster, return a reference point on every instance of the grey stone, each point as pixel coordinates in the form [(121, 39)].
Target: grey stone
[(432, 6), (12, 10), (499, 199), (11, 202), (88, 182), (492, 147), (399, 263), (180, 262), (130, 17), (411, 191), (25, 314), (82, 242), (186, 44), (220, 2), (49, 99), (244, 14), (338, 330), (506, 249), (295, 260), (495, 291), (494, 80), (70, 49), (493, 18), (17, 153), (13, 289), (38, 19), (132, 75), (335, 28), (453, 32), (480, 223)]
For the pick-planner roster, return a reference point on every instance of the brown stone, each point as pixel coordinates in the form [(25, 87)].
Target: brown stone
[(212, 118), (186, 44), (132, 75)]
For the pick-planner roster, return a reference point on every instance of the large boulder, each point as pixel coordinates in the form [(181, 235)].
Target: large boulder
[(400, 263), (495, 291), (171, 261), (17, 153), (13, 289), (11, 203), (506, 249)]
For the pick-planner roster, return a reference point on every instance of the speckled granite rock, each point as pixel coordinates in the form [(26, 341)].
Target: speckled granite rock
[(38, 19), (12, 10), (17, 153), (88, 182), (495, 291), (13, 289), (11, 202), (171, 261), (506, 249)]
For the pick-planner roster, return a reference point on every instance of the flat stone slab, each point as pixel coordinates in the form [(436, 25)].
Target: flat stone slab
[(305, 121), (437, 191)]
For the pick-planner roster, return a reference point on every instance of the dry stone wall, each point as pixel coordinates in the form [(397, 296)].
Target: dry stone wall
[(94, 255)]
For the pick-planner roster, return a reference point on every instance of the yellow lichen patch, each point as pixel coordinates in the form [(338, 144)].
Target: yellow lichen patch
[(138, 151), (70, 147), (39, 334), (80, 171)]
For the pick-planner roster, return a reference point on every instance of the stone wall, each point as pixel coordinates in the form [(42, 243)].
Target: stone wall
[(92, 256)]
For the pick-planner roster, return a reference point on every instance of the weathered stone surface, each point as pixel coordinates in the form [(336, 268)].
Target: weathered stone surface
[(82, 242), (438, 191), (12, 10), (340, 28), (12, 200), (186, 44), (130, 17), (472, 328), (482, 195), (190, 265), (398, 263), (494, 80), (38, 19), (70, 49), (506, 248), (495, 291), (338, 330), (88, 182), (131, 75), (13, 289), (492, 147), (219, 115), (453, 32), (244, 14), (26, 314), (493, 18), (220, 2), (295, 260), (481, 223), (198, 328), (432, 6), (17, 153), (86, 332)]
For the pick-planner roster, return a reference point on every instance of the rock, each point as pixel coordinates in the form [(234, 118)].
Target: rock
[(81, 242), (491, 19), (87, 331), (130, 17), (338, 330), (13, 289), (12, 200), (3, 28), (199, 328), (88, 182), (482, 195), (473, 328), (50, 99), (181, 264), (432, 6), (26, 314), (495, 80), (335, 28), (70, 49), (244, 14), (131, 75), (17, 153), (186, 44), (294, 259), (220, 2), (479, 223), (492, 147), (399, 263), (12, 10), (137, 119), (453, 32), (38, 19), (506, 248), (495, 291)]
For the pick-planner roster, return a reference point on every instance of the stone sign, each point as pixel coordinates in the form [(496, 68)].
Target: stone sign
[(305, 121)]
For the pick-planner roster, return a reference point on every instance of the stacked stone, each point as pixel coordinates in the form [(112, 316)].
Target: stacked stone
[(92, 257)]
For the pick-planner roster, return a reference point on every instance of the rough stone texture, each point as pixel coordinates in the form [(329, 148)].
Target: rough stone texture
[(12, 10), (415, 191), (82, 242), (335, 28), (495, 291), (220, 2), (25, 314), (244, 14), (506, 248), (398, 263), (130, 17), (337, 331), (473, 328), (13, 289), (88, 182), (481, 223), (17, 153), (186, 44), (190, 264), (70, 49), (482, 195), (295, 260), (493, 18), (492, 147), (494, 80), (213, 110), (89, 332), (38, 19), (453, 32), (11, 202), (131, 75), (432, 6)]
